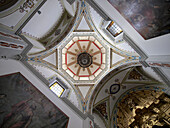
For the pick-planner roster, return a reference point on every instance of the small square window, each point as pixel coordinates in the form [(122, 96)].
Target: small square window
[(57, 89), (114, 29)]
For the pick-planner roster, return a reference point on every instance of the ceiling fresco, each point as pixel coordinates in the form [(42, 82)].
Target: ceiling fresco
[(149, 18), (23, 105)]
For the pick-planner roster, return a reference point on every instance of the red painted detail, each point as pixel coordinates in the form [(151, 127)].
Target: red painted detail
[(10, 36), (83, 40), (101, 58), (96, 46), (5, 44), (96, 70), (84, 75), (71, 70), (66, 58), (71, 46)]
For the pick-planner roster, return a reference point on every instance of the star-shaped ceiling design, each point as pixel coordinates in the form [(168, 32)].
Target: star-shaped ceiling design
[(82, 56), (83, 59)]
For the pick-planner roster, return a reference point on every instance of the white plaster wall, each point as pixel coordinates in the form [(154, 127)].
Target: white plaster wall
[(12, 16), (87, 123), (150, 72), (12, 19), (44, 71), (125, 46), (73, 98), (37, 46), (167, 72), (40, 24), (8, 51), (11, 66)]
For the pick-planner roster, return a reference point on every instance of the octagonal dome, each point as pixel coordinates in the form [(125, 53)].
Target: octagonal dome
[(84, 59)]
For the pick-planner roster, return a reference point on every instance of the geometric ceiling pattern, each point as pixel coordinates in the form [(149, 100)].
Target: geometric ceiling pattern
[(96, 67), (84, 59), (83, 24)]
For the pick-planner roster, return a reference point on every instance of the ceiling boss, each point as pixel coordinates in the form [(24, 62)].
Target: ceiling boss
[(84, 58)]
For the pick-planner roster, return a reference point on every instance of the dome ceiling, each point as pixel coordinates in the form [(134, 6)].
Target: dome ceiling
[(84, 59)]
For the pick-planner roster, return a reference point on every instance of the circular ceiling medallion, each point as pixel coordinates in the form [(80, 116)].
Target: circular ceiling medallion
[(84, 59)]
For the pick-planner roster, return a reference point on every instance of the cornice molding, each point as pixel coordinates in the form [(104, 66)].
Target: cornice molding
[(142, 54), (163, 76), (29, 67), (18, 30), (97, 8), (75, 109)]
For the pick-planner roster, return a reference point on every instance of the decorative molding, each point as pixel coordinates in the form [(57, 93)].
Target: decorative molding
[(144, 58), (162, 75), (29, 67), (159, 58), (156, 64), (9, 10), (27, 49), (63, 35), (11, 45), (24, 22), (98, 10), (75, 109), (159, 61), (98, 77), (83, 13), (137, 49), (10, 36), (127, 57)]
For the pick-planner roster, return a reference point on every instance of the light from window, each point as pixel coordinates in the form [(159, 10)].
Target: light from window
[(114, 29), (57, 89)]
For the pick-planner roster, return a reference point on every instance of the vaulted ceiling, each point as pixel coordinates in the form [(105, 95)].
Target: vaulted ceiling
[(74, 44)]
